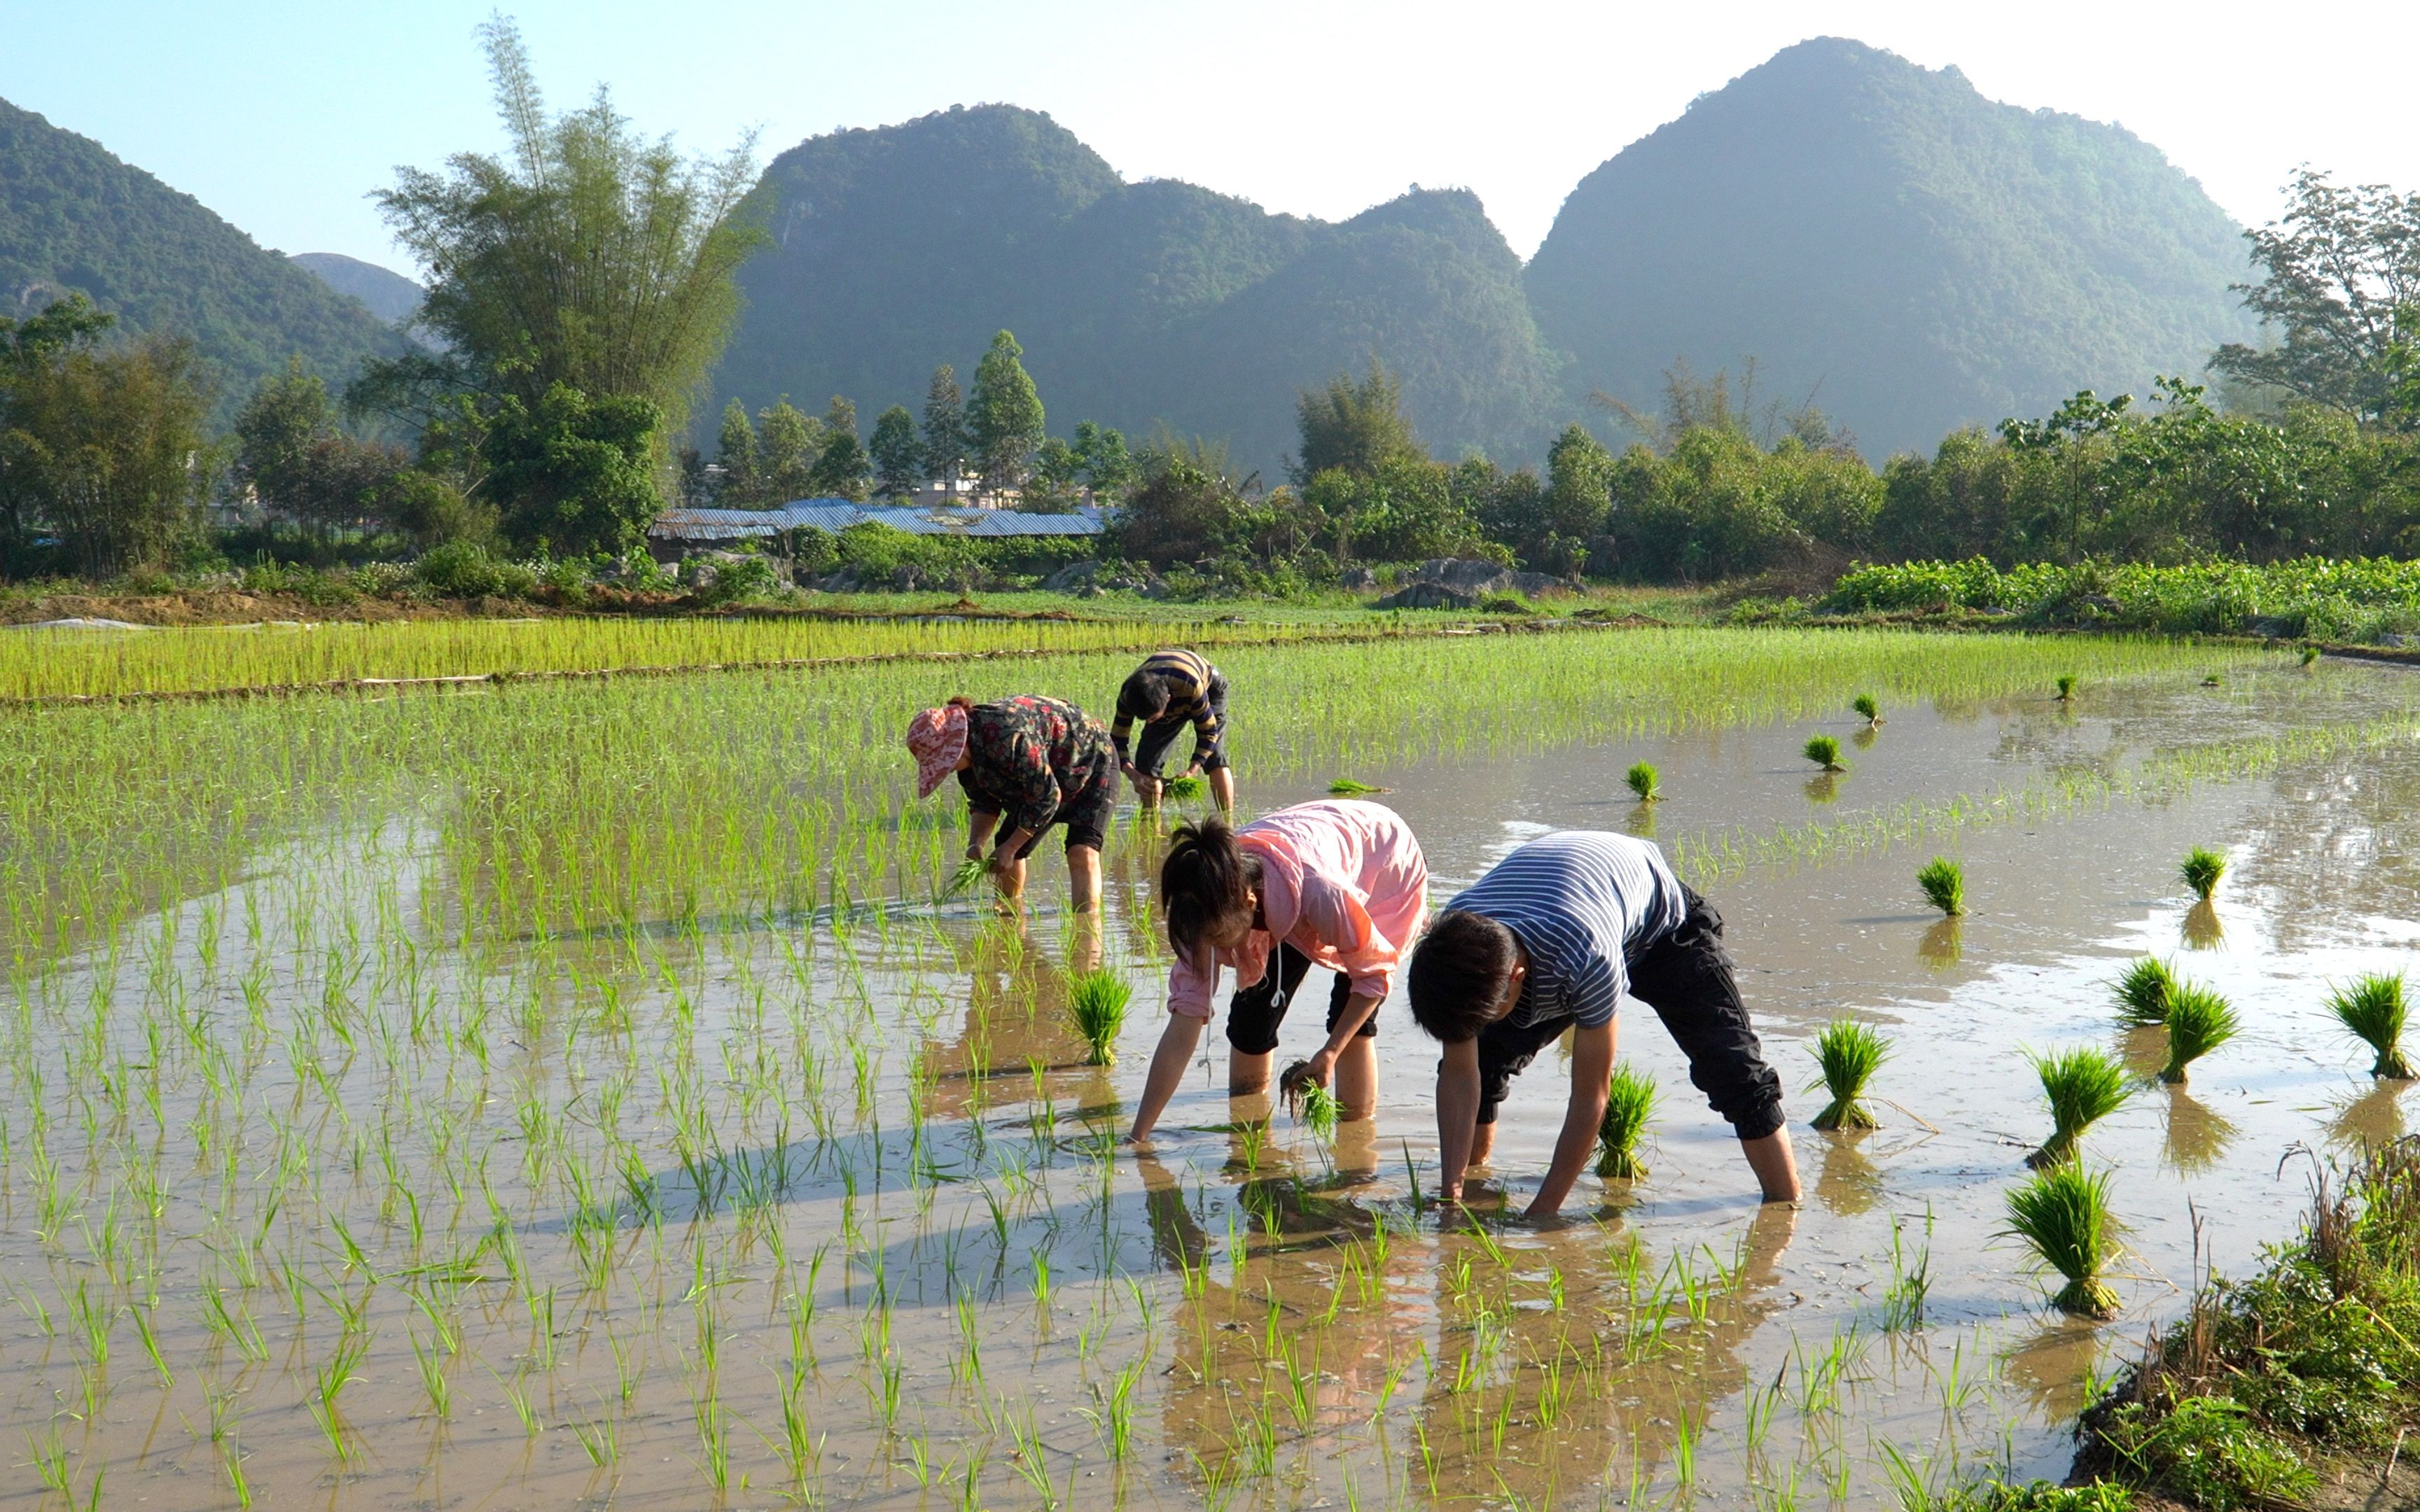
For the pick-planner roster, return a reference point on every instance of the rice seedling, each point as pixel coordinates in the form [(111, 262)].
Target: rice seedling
[(2062, 1215), (2066, 687), (2082, 1085), (1629, 1103), (2198, 1022), (1311, 1103), (2201, 869), (2310, 655), (1825, 751), (1644, 782), (964, 875), (1848, 1054), (2142, 994), (1186, 788), (2371, 1009), (1097, 999), (1345, 787), (1944, 882), (1867, 708)]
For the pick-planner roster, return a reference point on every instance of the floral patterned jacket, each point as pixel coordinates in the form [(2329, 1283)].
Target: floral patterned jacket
[(1031, 754)]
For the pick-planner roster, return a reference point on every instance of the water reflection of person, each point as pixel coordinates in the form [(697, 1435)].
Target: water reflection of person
[(1338, 885)]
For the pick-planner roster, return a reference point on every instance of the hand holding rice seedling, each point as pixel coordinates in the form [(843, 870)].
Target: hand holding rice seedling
[(1310, 1101), (1849, 1053), (2199, 1021), (1644, 782), (1187, 788), (1944, 882), (2372, 1010), (1825, 751), (2201, 871), (1629, 1103), (2143, 994), (967, 874), (2083, 1085), (2062, 1214), (1097, 1001)]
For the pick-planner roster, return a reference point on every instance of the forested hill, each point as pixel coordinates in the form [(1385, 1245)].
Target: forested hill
[(900, 248), (75, 218), (386, 293), (1881, 236)]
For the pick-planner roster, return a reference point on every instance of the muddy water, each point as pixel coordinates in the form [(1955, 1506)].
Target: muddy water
[(906, 1268)]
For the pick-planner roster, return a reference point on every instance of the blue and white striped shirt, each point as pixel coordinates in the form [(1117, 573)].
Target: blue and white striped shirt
[(1580, 902)]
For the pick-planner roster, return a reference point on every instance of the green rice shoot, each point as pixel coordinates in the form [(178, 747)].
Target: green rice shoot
[(2199, 1021), (2372, 1009), (1317, 1108), (2062, 1215), (1097, 999), (1645, 782), (1865, 705), (1848, 1054), (1825, 751), (1944, 882), (1629, 1103), (964, 875), (2083, 1085), (1345, 787), (2201, 869), (1187, 789), (2066, 687), (2143, 994)]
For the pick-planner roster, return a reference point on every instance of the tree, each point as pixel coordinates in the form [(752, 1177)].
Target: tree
[(735, 447), (1004, 416), (1101, 454), (898, 455), (2342, 290), (578, 471), (592, 260), (789, 443), (841, 466), (1579, 491), (27, 350), (1355, 427), (945, 428), (286, 416), (107, 448)]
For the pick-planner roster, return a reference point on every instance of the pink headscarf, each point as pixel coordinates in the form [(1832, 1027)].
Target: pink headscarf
[(936, 738)]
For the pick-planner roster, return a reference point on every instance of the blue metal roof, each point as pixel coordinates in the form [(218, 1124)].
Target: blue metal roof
[(837, 515)]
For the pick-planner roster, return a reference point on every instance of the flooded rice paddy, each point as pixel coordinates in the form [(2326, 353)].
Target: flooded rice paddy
[(550, 1097)]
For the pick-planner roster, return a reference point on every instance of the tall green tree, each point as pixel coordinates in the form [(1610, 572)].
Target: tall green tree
[(1357, 427), (286, 416), (1101, 454), (2341, 292), (735, 447), (945, 428), (789, 443), (898, 454), (842, 466), (108, 448), (579, 470), (1004, 415)]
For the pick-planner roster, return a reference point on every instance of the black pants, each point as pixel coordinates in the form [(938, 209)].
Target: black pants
[(1253, 1017), (1686, 978)]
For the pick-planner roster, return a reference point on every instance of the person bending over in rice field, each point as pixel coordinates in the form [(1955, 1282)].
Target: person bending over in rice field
[(1027, 762), (1169, 692), (1547, 941), (1341, 886)]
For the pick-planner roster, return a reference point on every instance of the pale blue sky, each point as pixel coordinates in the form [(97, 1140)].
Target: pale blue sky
[(281, 117)]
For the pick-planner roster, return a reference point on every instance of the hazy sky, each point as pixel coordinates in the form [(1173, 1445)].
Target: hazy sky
[(282, 116)]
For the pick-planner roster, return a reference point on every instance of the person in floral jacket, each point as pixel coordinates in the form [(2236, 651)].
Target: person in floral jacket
[(1027, 762)]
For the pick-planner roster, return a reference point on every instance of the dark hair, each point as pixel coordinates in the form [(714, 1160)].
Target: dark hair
[(1144, 694), (1207, 880), (1458, 975)]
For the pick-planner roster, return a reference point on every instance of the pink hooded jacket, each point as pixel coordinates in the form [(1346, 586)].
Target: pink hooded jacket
[(1344, 883)]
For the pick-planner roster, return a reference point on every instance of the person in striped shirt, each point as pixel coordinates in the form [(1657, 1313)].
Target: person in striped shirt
[(1548, 941), (1169, 692)]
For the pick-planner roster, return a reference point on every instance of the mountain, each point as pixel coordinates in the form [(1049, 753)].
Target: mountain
[(73, 218), (896, 249), (1882, 239), (386, 293)]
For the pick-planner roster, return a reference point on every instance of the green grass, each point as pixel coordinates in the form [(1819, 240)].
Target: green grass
[(1944, 882), (1629, 1103), (2198, 1022), (1645, 784), (2062, 1214), (1825, 751), (2201, 869), (2142, 994), (2082, 1085), (2372, 1010), (1847, 1055), (1096, 1000)]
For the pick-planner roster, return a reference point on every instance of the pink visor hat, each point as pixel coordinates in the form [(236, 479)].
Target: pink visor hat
[(936, 738)]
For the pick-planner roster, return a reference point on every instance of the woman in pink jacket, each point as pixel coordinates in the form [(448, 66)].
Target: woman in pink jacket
[(1337, 885)]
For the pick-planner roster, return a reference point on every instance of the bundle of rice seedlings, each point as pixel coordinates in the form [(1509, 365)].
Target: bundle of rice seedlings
[(1345, 787), (965, 875), (1642, 778), (1825, 751), (2062, 1214), (1864, 704), (2310, 655), (1944, 882), (2082, 1085), (1629, 1102), (2143, 994), (1097, 1001), (2199, 1021), (1187, 789), (1848, 1053), (1311, 1103), (2066, 687), (2372, 1009), (2201, 871)]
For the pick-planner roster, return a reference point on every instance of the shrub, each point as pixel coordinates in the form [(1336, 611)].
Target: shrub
[(462, 569), (2207, 1451)]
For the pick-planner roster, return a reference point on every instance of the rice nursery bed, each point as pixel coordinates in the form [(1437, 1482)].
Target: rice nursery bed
[(551, 1094)]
